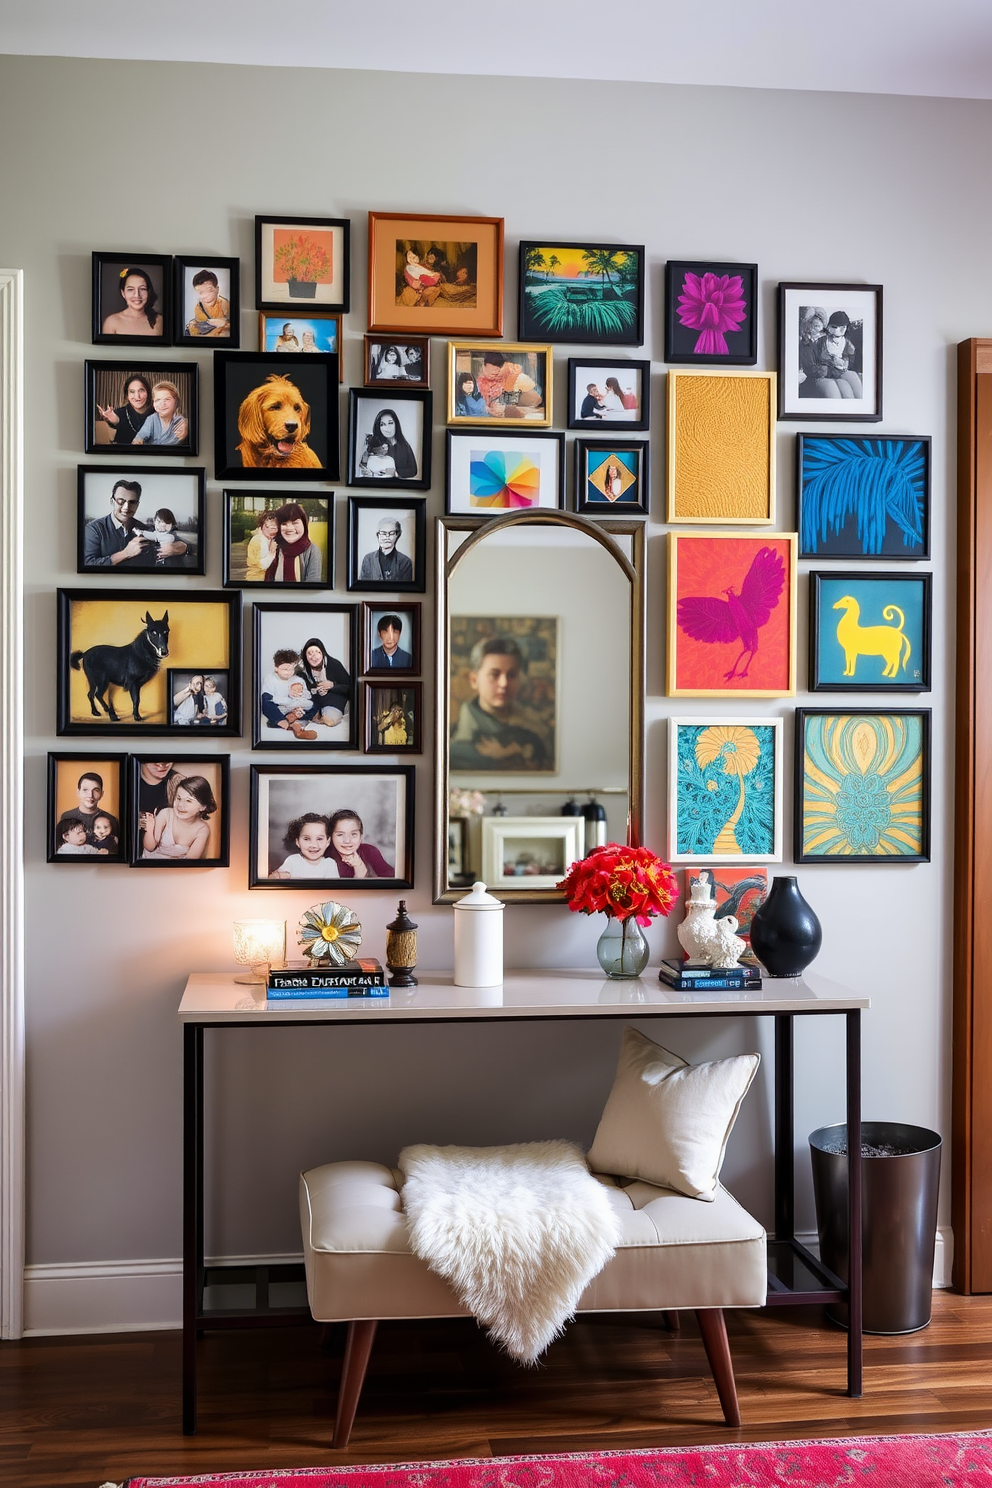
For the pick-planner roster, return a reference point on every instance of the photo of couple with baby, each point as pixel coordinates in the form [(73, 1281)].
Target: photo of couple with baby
[(323, 825), (304, 673)]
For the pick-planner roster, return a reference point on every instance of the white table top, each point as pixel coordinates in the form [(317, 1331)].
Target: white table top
[(215, 997)]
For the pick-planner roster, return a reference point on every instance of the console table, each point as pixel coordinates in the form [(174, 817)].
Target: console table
[(213, 1000)]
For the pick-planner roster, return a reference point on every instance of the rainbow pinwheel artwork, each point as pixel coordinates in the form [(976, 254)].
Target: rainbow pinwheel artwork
[(503, 479)]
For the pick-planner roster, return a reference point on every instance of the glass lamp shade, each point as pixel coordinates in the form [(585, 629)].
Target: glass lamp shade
[(260, 945)]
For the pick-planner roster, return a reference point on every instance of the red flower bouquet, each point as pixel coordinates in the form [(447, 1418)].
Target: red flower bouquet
[(622, 883)]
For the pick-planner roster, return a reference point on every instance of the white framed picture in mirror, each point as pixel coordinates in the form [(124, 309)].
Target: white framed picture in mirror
[(530, 851)]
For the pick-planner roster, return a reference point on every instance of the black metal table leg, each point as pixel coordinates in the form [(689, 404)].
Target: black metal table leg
[(192, 1212), (855, 1378), (785, 1130)]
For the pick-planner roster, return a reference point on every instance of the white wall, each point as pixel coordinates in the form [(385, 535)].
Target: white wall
[(170, 157)]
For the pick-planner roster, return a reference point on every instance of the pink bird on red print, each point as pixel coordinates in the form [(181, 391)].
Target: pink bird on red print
[(739, 617)]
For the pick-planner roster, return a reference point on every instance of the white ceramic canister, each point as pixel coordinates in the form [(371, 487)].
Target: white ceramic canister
[(478, 939)]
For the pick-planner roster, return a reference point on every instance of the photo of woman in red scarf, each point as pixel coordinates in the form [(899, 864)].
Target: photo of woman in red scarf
[(298, 560)]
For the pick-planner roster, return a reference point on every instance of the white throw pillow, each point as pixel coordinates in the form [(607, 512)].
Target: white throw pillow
[(668, 1122)]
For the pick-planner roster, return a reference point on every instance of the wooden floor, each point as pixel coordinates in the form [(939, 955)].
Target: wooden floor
[(76, 1412)]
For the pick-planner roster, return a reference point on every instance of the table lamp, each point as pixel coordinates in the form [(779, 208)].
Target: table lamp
[(260, 945)]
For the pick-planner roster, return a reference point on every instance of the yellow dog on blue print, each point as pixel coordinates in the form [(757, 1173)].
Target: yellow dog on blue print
[(887, 641)]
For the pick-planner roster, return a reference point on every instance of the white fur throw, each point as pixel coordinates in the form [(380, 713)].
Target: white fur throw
[(518, 1231)]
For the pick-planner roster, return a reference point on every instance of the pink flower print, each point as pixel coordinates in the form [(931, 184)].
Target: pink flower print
[(712, 304)]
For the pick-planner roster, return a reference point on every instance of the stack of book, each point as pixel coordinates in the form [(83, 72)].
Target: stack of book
[(682, 977), (359, 978)]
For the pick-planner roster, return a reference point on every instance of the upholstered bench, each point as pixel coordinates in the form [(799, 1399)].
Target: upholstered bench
[(675, 1253)]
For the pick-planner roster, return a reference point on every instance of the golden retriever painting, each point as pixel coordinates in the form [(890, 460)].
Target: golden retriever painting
[(274, 421)]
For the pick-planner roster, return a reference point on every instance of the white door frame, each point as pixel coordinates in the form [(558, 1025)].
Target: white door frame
[(11, 803)]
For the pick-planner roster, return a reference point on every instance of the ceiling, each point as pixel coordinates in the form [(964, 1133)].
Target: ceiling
[(939, 48)]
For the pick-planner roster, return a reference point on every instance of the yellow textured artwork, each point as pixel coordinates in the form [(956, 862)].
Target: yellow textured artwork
[(721, 447)]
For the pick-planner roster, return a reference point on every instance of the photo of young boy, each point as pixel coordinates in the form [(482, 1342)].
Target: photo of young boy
[(207, 301)]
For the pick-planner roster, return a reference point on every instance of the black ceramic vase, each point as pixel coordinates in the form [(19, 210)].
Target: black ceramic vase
[(785, 933)]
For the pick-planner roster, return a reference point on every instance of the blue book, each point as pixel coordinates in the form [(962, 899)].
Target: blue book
[(322, 994)]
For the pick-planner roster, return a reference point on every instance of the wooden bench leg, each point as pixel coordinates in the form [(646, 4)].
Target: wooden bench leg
[(713, 1327), (356, 1359), (672, 1322)]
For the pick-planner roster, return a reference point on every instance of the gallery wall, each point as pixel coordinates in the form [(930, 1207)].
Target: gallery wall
[(179, 158)]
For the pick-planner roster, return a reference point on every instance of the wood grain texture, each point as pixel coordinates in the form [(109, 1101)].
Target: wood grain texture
[(81, 1411), (719, 447)]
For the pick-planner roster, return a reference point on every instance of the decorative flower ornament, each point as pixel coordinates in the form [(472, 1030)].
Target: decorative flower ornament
[(330, 934), (712, 304)]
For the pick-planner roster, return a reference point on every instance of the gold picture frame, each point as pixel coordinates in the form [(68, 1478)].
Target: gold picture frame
[(721, 446), (435, 274), (519, 391)]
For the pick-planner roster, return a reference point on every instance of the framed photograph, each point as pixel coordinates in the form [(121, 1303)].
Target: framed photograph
[(198, 699), (458, 869), (532, 852), (389, 439), (339, 827), (734, 891), (589, 293), (393, 715), (721, 447), (181, 811), (711, 313), (207, 297), (725, 790), (116, 647), (405, 360), (830, 352), (870, 632), (87, 809), (302, 263), (275, 417), (271, 543), (493, 473), (132, 299), (437, 275), (148, 407), (505, 381), (863, 498), (151, 520), (609, 394), (862, 786), (611, 478), (303, 677), (387, 544), (732, 614), (314, 331), (392, 637), (503, 701)]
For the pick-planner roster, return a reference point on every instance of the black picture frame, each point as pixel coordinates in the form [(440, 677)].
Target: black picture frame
[(361, 533), (597, 366), (278, 627), (186, 299), (376, 345), (330, 234), (381, 698), (123, 617), (573, 317), (180, 680), (249, 414), (216, 770), (77, 768), (106, 387), (889, 748), (877, 509), (109, 274), (316, 506), (627, 505), (365, 407), (464, 445), (800, 305), (734, 308), (95, 534), (354, 793), (824, 585), (409, 614)]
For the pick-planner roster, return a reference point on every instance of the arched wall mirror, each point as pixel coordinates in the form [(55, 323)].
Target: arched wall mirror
[(540, 620)]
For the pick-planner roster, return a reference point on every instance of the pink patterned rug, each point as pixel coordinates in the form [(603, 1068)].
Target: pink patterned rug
[(960, 1461)]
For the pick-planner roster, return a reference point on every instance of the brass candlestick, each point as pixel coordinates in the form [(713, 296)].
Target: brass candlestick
[(401, 949)]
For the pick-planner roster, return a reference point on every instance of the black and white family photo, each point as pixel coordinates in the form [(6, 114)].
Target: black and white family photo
[(389, 439), (304, 678), (386, 544), (405, 361), (328, 824), (830, 338)]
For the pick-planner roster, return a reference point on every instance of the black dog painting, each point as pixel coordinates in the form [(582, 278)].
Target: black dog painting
[(117, 650)]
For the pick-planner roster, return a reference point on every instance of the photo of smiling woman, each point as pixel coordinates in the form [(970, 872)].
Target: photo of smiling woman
[(389, 439), (131, 298)]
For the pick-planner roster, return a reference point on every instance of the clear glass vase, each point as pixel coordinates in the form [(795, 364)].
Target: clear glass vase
[(622, 950)]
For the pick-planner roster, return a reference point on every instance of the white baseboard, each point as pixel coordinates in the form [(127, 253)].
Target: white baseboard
[(140, 1296)]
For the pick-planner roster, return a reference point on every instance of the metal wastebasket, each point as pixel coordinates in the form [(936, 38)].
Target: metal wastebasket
[(900, 1174)]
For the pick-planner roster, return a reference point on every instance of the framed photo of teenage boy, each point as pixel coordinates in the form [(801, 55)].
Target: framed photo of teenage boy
[(393, 714), (387, 545), (609, 394), (87, 809), (149, 520), (180, 811), (830, 352), (207, 298), (392, 637), (271, 543), (303, 677), (147, 408), (132, 299), (389, 439), (339, 827), (275, 417)]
